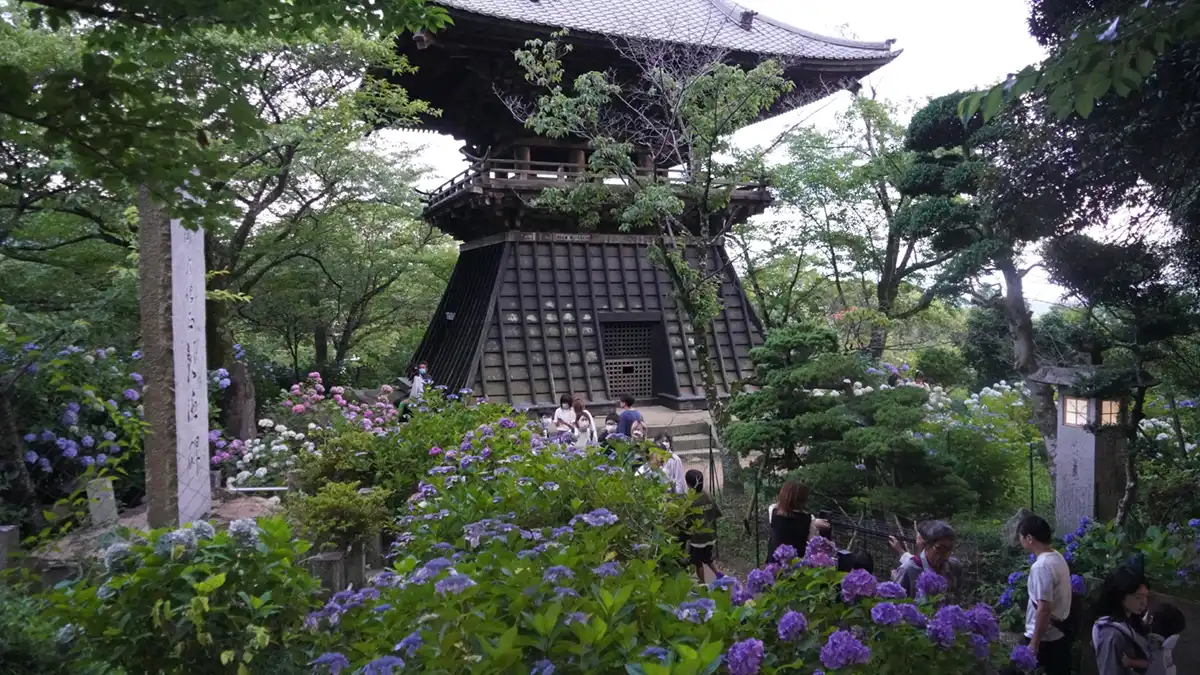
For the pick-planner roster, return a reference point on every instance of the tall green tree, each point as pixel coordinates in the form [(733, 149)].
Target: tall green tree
[(843, 187), (817, 411)]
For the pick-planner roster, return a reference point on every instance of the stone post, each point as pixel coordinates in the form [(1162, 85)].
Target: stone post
[(330, 569), (102, 503), (356, 565), (172, 295)]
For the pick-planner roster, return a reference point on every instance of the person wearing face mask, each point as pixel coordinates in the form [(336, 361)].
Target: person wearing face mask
[(585, 424), (610, 427), (419, 381), (564, 415), (673, 466)]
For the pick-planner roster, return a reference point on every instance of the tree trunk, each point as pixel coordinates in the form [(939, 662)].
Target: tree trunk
[(321, 347), (1020, 326), (240, 403), (1129, 498), (12, 452), (1177, 425), (878, 342)]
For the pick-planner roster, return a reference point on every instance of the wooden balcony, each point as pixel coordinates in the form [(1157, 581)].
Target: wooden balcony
[(524, 179)]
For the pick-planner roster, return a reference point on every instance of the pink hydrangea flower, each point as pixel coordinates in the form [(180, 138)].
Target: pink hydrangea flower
[(297, 409)]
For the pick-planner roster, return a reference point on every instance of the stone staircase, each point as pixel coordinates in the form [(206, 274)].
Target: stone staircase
[(692, 442)]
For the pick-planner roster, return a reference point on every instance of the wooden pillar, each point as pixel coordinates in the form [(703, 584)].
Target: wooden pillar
[(522, 154)]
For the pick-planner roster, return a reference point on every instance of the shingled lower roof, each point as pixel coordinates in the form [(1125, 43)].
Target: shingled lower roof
[(714, 23)]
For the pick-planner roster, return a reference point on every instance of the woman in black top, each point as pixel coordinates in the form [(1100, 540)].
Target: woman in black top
[(790, 521)]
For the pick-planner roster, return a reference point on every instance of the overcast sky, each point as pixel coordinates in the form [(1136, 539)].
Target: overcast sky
[(946, 47)]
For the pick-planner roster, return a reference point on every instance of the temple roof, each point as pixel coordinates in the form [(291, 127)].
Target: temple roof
[(715, 23)]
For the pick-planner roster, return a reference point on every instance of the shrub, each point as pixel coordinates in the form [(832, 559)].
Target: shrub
[(526, 555), (194, 601), (942, 366), (340, 514), (27, 638)]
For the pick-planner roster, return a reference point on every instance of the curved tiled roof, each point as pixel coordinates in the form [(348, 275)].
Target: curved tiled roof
[(713, 23)]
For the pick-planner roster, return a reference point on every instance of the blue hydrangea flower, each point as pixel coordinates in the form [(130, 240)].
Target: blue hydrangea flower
[(608, 569), (453, 584), (745, 657), (542, 667), (410, 644), (1078, 585), (886, 614), (930, 583), (655, 653), (696, 611), (940, 632), (844, 649), (331, 661), (759, 580), (858, 584), (785, 553), (556, 573), (791, 625), (31, 457), (132, 395), (890, 590), (1024, 658)]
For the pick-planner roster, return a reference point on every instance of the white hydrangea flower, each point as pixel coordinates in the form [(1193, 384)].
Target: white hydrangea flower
[(266, 423), (242, 477)]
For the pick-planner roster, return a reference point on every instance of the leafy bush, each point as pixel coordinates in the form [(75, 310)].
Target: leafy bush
[(842, 428), (526, 555), (1169, 556), (26, 632), (340, 514), (942, 366), (194, 601)]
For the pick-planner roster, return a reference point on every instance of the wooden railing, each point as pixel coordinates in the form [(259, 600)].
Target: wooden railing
[(535, 175)]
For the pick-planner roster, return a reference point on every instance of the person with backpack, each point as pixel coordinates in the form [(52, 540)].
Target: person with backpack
[(1119, 636), (630, 422), (700, 544), (1047, 615)]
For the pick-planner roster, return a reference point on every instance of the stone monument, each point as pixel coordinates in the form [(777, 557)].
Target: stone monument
[(172, 277)]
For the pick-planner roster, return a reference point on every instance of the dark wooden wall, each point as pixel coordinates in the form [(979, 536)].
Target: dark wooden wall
[(530, 310)]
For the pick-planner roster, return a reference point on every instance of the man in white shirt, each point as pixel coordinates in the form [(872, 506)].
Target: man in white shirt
[(1049, 597)]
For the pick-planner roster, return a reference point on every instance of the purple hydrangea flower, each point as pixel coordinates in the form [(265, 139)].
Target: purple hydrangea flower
[(453, 584), (955, 616), (132, 395), (110, 436), (844, 649), (858, 584), (745, 657), (332, 661), (791, 625), (566, 592), (940, 632), (655, 653), (44, 465), (696, 611), (137, 378), (31, 457), (979, 645), (542, 667), (982, 622), (785, 553), (557, 573), (912, 614), (410, 644), (1024, 658), (741, 595), (383, 665), (890, 590), (1078, 585), (600, 517), (724, 583), (29, 438), (886, 614), (608, 569), (88, 441), (1015, 577), (759, 580), (48, 435), (930, 583)]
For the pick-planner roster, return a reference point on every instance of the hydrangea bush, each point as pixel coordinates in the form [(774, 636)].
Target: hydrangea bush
[(1170, 557), (524, 554), (193, 600)]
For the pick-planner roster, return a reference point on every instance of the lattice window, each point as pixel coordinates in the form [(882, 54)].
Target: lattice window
[(1110, 413), (626, 340), (1074, 411), (630, 376)]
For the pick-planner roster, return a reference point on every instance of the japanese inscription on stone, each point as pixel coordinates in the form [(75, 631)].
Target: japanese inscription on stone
[(191, 372)]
